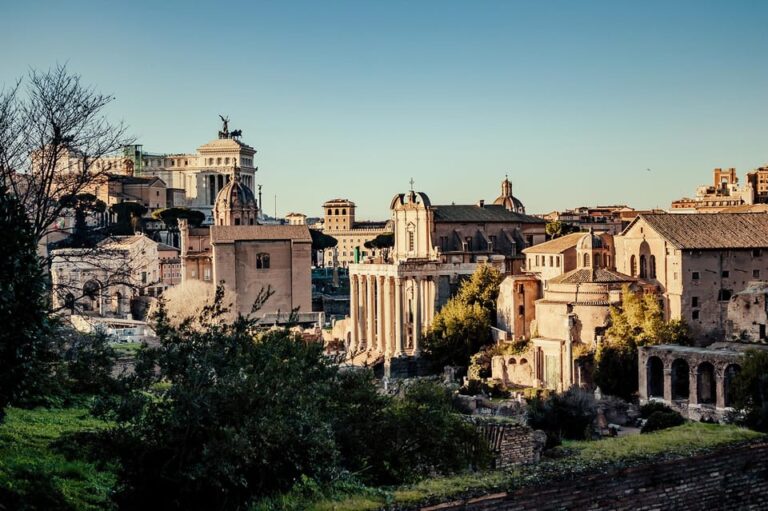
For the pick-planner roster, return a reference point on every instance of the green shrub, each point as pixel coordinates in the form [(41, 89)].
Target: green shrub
[(662, 420), (653, 406), (750, 391), (563, 416)]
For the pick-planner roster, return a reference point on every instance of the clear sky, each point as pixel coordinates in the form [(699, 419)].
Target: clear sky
[(573, 99)]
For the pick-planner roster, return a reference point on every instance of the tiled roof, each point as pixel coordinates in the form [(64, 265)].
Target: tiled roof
[(711, 230), (487, 213), (166, 248), (222, 233), (557, 245), (590, 275)]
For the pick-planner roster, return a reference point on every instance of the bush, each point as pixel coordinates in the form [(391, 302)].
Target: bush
[(750, 391), (616, 370), (563, 416), (218, 416), (653, 406), (662, 420), (420, 434)]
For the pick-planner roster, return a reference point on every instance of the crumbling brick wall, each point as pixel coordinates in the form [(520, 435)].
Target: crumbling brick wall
[(732, 478), (511, 443)]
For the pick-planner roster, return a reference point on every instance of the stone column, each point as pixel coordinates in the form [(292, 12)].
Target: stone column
[(354, 306), (417, 304), (369, 314), (720, 387), (667, 381), (387, 348), (693, 386), (398, 319), (380, 292)]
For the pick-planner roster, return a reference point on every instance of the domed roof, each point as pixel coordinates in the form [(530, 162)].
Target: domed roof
[(235, 195), (506, 199), (590, 241)]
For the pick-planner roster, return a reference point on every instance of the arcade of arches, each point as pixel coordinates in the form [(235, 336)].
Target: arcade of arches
[(696, 382)]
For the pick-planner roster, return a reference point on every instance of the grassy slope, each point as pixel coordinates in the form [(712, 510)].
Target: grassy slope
[(686, 440), (38, 476)]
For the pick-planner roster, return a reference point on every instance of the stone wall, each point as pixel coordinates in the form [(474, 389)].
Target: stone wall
[(732, 478), (512, 443)]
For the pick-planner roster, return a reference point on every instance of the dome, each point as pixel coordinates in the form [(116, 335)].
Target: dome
[(235, 195), (235, 204), (590, 241), (506, 199)]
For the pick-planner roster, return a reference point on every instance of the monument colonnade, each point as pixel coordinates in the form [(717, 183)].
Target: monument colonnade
[(389, 313)]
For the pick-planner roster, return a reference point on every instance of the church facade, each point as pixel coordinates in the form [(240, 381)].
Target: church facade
[(393, 302)]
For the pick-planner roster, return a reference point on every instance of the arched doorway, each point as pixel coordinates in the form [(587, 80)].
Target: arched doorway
[(655, 368), (706, 387), (680, 379), (92, 296), (729, 375)]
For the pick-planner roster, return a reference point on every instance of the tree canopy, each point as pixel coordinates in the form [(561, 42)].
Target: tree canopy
[(23, 300), (638, 322), (170, 217), (462, 326), (385, 240)]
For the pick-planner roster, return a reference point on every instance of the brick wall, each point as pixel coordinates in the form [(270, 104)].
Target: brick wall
[(511, 443), (732, 478)]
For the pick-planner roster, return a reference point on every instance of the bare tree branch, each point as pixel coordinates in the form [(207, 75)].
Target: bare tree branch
[(51, 138)]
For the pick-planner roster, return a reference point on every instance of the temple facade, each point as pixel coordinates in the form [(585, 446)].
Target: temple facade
[(394, 301)]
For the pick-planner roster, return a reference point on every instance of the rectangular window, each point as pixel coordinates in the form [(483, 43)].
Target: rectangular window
[(695, 301), (756, 252), (695, 275), (695, 315), (755, 274), (207, 274), (726, 274)]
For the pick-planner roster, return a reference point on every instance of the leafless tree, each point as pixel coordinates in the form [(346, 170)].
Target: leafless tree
[(52, 133)]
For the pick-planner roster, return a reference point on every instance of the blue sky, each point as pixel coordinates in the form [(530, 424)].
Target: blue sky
[(574, 100)]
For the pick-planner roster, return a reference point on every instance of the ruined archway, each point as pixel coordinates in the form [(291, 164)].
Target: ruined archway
[(655, 368), (706, 386), (729, 375), (92, 296), (680, 379)]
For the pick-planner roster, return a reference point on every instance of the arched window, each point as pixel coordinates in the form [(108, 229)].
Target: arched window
[(262, 261), (585, 261), (655, 368), (680, 379), (336, 212), (597, 263), (237, 221), (344, 211), (643, 267), (633, 266), (330, 211), (705, 384), (653, 266)]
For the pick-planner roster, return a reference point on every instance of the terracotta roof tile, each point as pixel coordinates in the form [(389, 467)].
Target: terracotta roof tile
[(589, 275), (487, 213), (711, 230), (557, 245), (223, 233)]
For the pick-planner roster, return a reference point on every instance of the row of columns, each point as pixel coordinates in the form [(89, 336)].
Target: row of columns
[(384, 308)]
